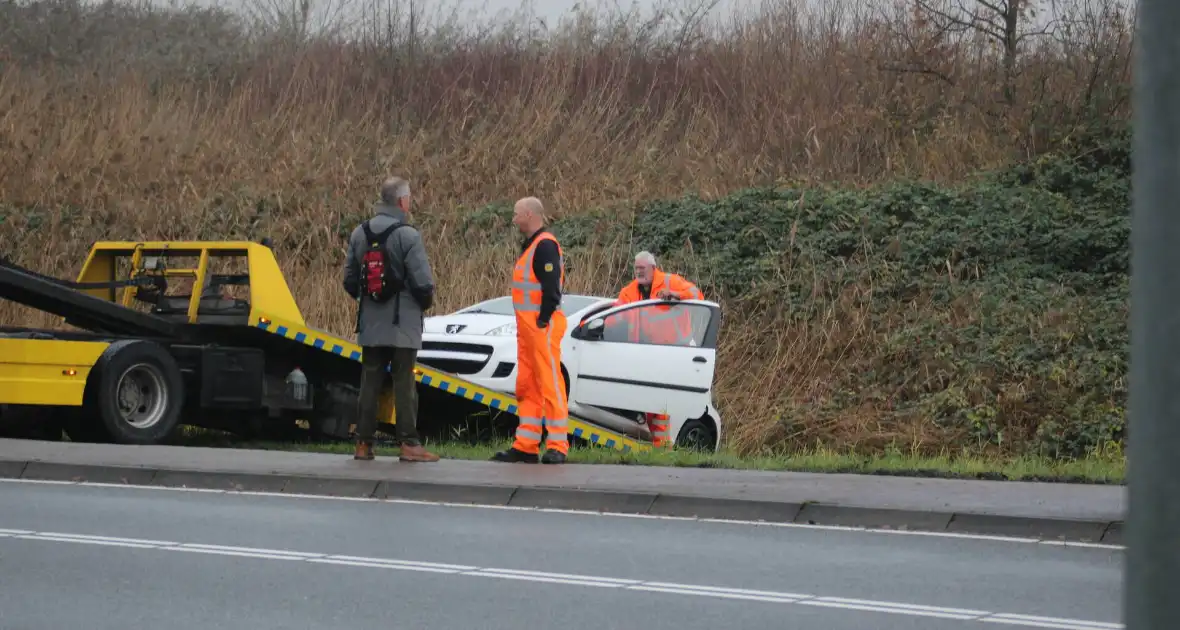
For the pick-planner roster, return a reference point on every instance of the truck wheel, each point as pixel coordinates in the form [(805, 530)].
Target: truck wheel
[(138, 393)]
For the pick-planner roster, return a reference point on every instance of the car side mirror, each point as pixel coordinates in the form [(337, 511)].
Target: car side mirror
[(589, 331)]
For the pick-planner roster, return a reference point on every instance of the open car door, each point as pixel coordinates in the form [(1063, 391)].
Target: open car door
[(625, 361)]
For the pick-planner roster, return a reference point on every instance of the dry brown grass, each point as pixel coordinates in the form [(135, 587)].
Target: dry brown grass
[(241, 139)]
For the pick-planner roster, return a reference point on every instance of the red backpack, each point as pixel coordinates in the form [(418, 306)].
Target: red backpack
[(379, 280)]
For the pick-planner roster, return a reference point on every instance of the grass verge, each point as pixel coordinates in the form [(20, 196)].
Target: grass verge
[(1099, 467)]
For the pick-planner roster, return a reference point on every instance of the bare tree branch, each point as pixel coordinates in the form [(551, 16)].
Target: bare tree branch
[(976, 22), (998, 10), (915, 68)]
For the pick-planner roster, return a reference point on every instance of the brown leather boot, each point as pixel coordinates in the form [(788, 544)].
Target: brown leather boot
[(417, 454), (364, 451)]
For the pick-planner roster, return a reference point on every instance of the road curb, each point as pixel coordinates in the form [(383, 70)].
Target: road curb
[(640, 503)]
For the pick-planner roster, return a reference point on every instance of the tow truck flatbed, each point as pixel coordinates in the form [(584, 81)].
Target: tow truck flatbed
[(447, 383), (200, 358)]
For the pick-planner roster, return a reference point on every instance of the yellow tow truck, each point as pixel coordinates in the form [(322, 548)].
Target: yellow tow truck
[(199, 333)]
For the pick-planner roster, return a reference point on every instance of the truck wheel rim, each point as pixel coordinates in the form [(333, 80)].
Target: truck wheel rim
[(142, 396)]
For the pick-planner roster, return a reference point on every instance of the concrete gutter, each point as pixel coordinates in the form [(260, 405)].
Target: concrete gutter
[(1042, 511)]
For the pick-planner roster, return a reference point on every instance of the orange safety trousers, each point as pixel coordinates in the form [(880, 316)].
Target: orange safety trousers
[(540, 388)]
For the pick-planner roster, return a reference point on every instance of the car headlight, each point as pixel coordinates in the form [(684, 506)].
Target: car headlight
[(506, 330)]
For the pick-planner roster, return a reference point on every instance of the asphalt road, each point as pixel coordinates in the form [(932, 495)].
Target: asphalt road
[(103, 557)]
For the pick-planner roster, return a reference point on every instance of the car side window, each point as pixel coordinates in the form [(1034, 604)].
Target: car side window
[(664, 324), (594, 311)]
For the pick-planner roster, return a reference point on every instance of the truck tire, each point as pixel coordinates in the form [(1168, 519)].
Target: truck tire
[(137, 394)]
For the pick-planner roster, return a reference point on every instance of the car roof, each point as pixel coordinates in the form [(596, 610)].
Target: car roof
[(592, 300), (580, 296)]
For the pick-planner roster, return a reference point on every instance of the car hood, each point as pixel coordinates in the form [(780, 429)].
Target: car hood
[(473, 324)]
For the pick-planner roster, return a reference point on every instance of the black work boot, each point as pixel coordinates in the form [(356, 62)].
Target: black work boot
[(513, 456), (553, 457)]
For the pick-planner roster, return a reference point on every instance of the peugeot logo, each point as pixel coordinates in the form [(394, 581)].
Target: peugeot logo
[(454, 328)]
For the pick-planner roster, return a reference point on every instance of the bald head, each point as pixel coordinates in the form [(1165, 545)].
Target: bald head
[(531, 204), (395, 191), (528, 215)]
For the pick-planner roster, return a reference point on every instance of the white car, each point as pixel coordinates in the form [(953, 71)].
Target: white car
[(610, 380)]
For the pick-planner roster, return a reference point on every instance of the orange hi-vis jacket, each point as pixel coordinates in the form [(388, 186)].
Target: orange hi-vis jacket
[(540, 388), (660, 324)]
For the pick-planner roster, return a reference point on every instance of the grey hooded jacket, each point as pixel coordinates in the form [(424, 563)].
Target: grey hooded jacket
[(397, 322)]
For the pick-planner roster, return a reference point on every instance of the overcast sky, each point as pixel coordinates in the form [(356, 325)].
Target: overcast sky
[(472, 13), (477, 11)]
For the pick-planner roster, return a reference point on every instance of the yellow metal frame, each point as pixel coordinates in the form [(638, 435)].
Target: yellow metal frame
[(269, 291), (46, 371)]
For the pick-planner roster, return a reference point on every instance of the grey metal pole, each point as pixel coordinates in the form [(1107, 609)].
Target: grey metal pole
[(1151, 599)]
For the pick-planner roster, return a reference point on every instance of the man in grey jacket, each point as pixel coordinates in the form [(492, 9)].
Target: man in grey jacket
[(390, 332)]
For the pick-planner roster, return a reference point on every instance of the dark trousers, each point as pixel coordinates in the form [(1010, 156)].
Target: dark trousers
[(405, 392)]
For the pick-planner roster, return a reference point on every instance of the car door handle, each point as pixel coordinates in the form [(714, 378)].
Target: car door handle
[(698, 359)]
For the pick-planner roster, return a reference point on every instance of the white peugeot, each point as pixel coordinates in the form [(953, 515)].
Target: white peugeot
[(610, 380)]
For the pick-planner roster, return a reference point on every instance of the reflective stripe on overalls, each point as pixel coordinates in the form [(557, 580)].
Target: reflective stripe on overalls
[(540, 388), (526, 288)]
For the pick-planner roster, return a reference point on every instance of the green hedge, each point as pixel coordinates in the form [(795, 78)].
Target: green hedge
[(1040, 251)]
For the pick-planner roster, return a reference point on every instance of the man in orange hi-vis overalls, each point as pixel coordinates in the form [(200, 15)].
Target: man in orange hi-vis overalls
[(661, 325), (537, 282)]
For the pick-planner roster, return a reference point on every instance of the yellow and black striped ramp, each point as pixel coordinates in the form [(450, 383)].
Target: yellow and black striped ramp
[(445, 382)]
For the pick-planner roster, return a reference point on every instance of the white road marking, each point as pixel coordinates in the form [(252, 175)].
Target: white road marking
[(871, 607), (694, 590), (273, 552), (1052, 622), (718, 590), (537, 578), (86, 542), (106, 538), (517, 508), (722, 595), (409, 564), (241, 554)]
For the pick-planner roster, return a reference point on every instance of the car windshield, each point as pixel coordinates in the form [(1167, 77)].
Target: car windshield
[(503, 305), (498, 306)]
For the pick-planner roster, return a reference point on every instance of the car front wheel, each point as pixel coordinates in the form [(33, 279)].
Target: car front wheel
[(697, 434)]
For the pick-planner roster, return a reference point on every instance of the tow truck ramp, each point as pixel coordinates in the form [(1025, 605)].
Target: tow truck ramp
[(200, 351), (447, 383)]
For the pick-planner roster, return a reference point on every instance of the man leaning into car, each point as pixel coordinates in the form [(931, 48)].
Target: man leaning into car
[(658, 325)]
